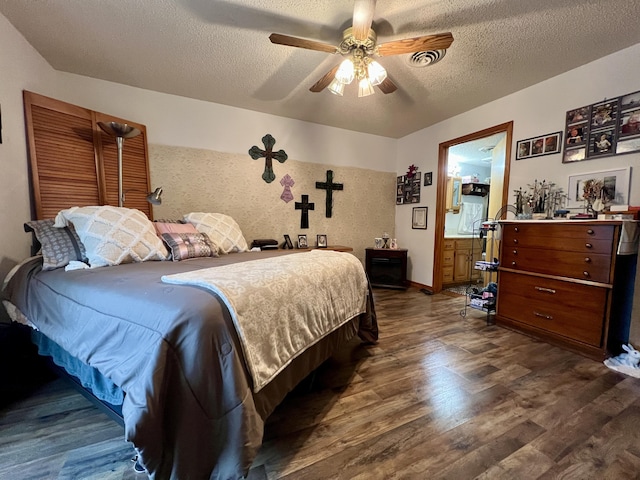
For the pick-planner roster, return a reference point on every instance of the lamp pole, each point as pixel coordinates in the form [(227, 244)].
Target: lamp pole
[(120, 131)]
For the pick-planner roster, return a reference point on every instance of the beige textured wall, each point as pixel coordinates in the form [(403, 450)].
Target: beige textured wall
[(210, 181)]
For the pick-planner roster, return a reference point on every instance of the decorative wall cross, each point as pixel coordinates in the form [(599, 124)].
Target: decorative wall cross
[(329, 186), (287, 182), (268, 154), (305, 206)]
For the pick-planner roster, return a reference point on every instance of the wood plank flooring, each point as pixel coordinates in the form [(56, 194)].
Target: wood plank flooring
[(440, 397)]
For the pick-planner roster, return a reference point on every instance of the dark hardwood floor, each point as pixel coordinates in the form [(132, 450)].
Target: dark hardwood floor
[(440, 397)]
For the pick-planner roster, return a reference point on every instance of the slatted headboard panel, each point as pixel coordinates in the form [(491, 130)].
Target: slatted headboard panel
[(74, 163)]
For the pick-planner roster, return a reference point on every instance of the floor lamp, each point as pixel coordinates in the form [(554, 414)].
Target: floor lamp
[(121, 131)]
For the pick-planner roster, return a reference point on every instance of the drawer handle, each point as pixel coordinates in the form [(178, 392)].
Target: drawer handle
[(542, 315), (590, 231), (586, 274), (545, 290), (587, 260), (515, 252), (513, 264), (515, 240), (588, 245), (516, 229)]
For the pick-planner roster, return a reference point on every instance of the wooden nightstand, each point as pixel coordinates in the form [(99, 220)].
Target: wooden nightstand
[(387, 267)]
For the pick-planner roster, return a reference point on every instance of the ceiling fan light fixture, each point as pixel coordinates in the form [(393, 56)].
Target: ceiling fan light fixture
[(336, 87), (377, 73), (365, 88), (346, 72)]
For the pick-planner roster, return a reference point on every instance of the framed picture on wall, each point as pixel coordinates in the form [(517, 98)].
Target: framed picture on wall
[(428, 178), (539, 146), (606, 128), (408, 189), (419, 218), (615, 187)]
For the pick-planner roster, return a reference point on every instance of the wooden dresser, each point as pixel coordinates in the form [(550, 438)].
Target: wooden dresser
[(556, 281)]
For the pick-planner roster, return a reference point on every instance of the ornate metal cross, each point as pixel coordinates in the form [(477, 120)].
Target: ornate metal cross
[(268, 154), (305, 206), (329, 186)]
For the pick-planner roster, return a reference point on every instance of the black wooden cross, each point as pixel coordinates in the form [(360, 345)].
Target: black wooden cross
[(329, 186), (305, 206), (268, 154)]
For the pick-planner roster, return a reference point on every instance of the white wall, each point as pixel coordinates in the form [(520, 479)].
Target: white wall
[(181, 121), (21, 67), (537, 110)]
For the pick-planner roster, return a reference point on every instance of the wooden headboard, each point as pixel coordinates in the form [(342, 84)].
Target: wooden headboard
[(74, 163)]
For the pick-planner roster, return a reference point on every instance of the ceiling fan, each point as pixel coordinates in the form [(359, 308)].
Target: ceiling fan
[(359, 45)]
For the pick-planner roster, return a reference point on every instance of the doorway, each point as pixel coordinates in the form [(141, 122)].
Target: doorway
[(498, 176)]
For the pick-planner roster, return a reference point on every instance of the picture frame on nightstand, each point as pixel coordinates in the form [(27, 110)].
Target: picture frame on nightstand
[(322, 241)]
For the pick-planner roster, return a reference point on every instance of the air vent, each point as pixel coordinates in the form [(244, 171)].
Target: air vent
[(424, 59)]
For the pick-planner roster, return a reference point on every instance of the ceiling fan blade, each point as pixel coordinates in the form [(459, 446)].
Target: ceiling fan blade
[(302, 43), (416, 44), (362, 18), (387, 86), (325, 81)]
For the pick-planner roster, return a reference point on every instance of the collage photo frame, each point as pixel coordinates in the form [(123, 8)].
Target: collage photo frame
[(610, 127)]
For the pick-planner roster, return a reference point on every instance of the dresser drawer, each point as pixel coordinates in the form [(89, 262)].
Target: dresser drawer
[(577, 238), (464, 244), (562, 308), (447, 258), (584, 266), (447, 275), (449, 244)]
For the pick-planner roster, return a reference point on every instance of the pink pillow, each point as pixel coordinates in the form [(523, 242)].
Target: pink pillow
[(166, 227)]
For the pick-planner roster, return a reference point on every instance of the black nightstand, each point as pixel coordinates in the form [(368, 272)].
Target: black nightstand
[(387, 267)]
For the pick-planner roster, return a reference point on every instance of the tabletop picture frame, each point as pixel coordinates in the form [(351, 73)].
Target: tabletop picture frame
[(321, 241), (302, 241), (287, 242)]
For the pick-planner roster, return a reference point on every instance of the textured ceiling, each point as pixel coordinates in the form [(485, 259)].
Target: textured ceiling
[(219, 51)]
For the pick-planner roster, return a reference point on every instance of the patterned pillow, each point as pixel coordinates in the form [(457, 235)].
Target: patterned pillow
[(222, 230), (114, 235), (189, 245), (173, 227), (59, 245)]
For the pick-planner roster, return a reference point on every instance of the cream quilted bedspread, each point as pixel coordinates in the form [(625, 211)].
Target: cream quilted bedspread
[(282, 305)]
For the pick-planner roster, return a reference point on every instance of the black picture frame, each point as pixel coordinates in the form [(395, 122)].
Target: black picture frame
[(302, 241), (428, 178), (287, 242), (321, 241), (548, 144), (408, 188), (419, 218), (603, 129)]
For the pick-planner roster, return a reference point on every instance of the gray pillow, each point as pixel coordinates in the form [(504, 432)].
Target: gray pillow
[(59, 245)]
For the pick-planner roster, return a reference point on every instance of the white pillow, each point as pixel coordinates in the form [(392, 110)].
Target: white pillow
[(114, 235), (221, 229)]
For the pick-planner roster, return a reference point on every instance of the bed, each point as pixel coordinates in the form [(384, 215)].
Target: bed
[(189, 403), (169, 354)]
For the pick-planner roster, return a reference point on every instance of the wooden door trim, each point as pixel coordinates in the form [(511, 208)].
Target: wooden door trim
[(443, 154)]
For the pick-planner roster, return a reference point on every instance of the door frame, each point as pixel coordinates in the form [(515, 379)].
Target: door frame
[(443, 156)]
